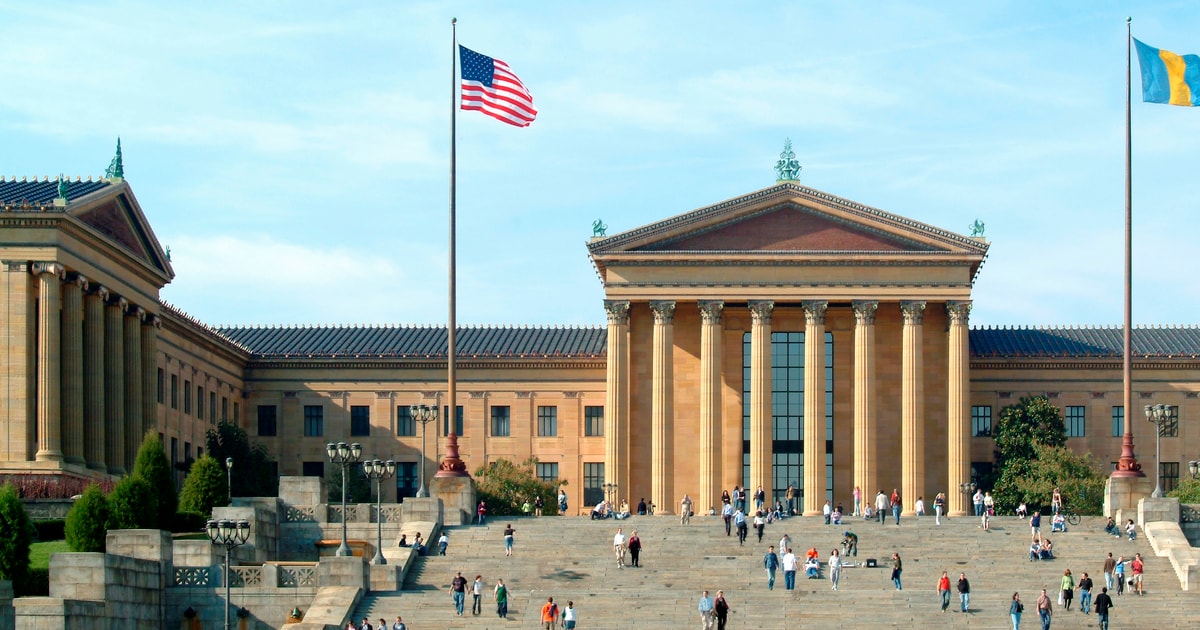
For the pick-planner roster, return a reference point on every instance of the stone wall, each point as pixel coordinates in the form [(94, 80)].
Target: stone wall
[(6, 605), (47, 509), (1189, 520), (49, 613), (301, 490)]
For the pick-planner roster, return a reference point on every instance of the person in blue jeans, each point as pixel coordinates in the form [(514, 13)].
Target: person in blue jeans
[(897, 567), (458, 590), (1015, 610), (1085, 594), (1044, 608), (771, 563)]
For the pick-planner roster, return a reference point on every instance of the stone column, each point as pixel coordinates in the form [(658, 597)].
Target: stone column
[(866, 433), (912, 407), (814, 406), (616, 401), (49, 366), (133, 383), (760, 394), (114, 384), (662, 404), (958, 434), (93, 378), (710, 402), (150, 326), (72, 368)]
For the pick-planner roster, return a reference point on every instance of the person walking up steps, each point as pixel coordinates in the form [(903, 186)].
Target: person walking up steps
[(1104, 603), (789, 563), (508, 539), (549, 614), (881, 505)]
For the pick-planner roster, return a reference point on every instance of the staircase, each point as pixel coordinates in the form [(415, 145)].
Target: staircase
[(570, 558)]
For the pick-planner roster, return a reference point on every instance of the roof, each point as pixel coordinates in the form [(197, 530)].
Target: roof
[(45, 190), (425, 342), (1042, 342)]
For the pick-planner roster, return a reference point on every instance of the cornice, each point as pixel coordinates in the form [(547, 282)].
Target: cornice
[(368, 364), (1065, 363), (200, 332)]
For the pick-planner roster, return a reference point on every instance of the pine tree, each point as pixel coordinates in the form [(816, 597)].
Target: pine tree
[(87, 522), (152, 465), (204, 487), (16, 536), (134, 504)]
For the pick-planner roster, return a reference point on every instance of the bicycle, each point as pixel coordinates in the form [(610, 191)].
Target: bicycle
[(1071, 516)]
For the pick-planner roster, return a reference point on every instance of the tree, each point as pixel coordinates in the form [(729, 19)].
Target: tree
[(134, 504), (1188, 491), (506, 486), (152, 465), (87, 522), (255, 474), (1032, 421), (204, 487), (1078, 477), (17, 536), (358, 488)]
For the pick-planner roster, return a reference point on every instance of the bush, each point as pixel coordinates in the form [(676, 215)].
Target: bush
[(35, 584), (41, 486), (134, 504), (87, 522), (16, 534), (204, 487), (1188, 491), (152, 465), (505, 486)]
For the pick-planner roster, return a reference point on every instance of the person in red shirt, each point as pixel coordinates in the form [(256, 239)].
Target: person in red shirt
[(1138, 567), (549, 614), (943, 588)]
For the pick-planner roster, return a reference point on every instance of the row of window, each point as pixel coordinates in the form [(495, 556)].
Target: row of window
[(1074, 418), (406, 425), (187, 399)]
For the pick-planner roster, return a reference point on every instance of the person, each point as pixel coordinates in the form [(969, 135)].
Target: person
[(623, 511), (791, 499), (835, 568), (895, 502), (881, 504), (600, 511), (977, 500), (685, 510), (365, 625), (458, 591), (919, 507), (943, 587), (1109, 565), (812, 568), (964, 592), (443, 543), (1085, 594), (721, 609), (760, 523), (739, 498), (811, 553), (771, 564), (1047, 550), (1035, 524), (1035, 550), (724, 497), (526, 508), (1056, 502), (868, 513), (1131, 530), (788, 562), (837, 514), (850, 543), (827, 511), (1068, 589), (897, 568), (1111, 528), (706, 611), (562, 501), (501, 594), (399, 625), (508, 539), (739, 519), (569, 616), (1022, 511), (760, 498), (989, 504), (1058, 523), (785, 543), (350, 625), (549, 614), (939, 508), (1014, 611), (418, 545), (619, 548), (985, 521), (777, 513), (1044, 609), (727, 515), (537, 505), (1119, 575), (1104, 603), (641, 506), (477, 595), (857, 494), (635, 548), (481, 512), (1138, 567), (403, 540)]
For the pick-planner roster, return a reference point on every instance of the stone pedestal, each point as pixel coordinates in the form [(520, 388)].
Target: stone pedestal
[(343, 571), (1121, 495), (457, 495), (1151, 510), (428, 509), (301, 490)]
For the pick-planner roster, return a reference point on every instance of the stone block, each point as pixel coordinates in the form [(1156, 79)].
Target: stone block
[(77, 575), (301, 490), (458, 499), (349, 571), (1151, 510), (1121, 495), (421, 509)]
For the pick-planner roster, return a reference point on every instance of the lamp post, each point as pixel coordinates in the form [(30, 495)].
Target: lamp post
[(1161, 416), (968, 489), (343, 455), (229, 534), (423, 414), (378, 471), (610, 492), (229, 478), (1194, 469)]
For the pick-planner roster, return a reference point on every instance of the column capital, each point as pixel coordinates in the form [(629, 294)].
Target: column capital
[(664, 311), (53, 268), (118, 301), (760, 311), (99, 290), (79, 279), (959, 312), (913, 311), (814, 311), (710, 311), (864, 311), (136, 311), (152, 320), (617, 311)]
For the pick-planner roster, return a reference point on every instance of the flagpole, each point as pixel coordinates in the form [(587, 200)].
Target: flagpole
[(451, 385)]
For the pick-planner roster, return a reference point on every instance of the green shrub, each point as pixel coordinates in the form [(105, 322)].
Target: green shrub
[(87, 522), (16, 534), (134, 504), (152, 465), (50, 529), (204, 487), (505, 487)]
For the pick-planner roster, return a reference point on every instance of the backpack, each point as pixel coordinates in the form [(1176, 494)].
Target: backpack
[(553, 611)]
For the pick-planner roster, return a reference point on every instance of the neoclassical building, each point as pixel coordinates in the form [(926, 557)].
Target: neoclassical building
[(783, 337)]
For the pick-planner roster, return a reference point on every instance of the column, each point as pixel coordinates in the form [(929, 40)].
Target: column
[(662, 404), (114, 384), (760, 394), (93, 378), (912, 407), (133, 383), (72, 368), (814, 406), (866, 433), (958, 434), (616, 401), (150, 326), (49, 368), (710, 402)]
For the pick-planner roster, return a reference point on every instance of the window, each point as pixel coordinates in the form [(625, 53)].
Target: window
[(1076, 416), (548, 472), (174, 391), (1118, 421), (313, 469), (199, 402), (1170, 428), (314, 420), (237, 412), (405, 424), (199, 452), (360, 420), (266, 421), (162, 386), (224, 409), (547, 421), (981, 421), (174, 452), (187, 453), (212, 408), (406, 479), (458, 420), (593, 482), (593, 421), (500, 424), (1168, 473), (187, 397)]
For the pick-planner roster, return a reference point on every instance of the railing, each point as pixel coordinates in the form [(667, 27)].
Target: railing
[(302, 514), (245, 576), (389, 514), (193, 576), (335, 514), (291, 575), (1189, 513), (297, 575)]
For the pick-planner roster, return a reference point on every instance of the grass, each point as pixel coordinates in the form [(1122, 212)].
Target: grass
[(40, 552)]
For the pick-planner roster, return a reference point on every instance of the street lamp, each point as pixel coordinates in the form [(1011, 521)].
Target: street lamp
[(423, 414), (1162, 416), (229, 534), (610, 492), (343, 455), (1194, 469), (968, 489), (229, 478), (377, 470)]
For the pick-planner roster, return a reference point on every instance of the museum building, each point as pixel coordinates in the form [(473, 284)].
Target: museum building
[(727, 328)]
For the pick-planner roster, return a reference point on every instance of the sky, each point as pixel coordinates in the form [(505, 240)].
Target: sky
[(294, 155)]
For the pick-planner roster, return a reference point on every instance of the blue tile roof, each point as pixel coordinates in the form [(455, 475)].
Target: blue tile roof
[(1076, 342), (44, 191)]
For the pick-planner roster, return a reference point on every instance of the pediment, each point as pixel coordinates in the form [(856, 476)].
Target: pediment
[(116, 215)]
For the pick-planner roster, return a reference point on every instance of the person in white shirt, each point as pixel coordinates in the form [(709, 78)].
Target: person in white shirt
[(619, 548), (835, 568), (568, 616), (978, 501), (920, 506), (788, 562), (881, 506)]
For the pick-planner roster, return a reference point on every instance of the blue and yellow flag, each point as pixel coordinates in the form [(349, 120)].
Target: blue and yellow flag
[(1168, 77)]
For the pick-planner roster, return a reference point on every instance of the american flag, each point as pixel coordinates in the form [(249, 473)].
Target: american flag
[(489, 86)]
